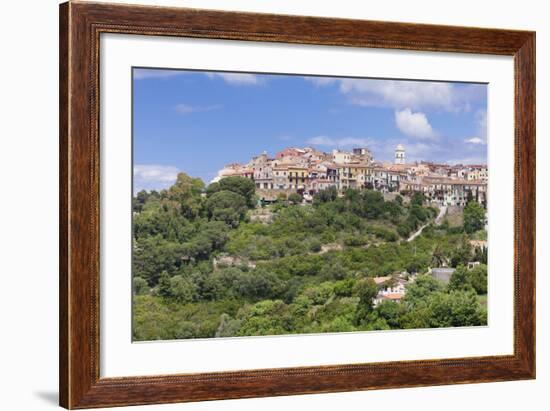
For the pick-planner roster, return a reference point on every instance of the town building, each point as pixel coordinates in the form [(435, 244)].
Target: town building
[(308, 170), (390, 288)]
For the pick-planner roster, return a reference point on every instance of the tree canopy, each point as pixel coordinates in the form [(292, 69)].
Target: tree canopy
[(238, 185), (474, 217), (205, 266), (226, 206)]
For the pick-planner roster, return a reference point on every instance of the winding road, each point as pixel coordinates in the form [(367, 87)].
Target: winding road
[(438, 219)]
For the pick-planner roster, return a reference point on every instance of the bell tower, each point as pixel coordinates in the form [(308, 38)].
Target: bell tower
[(399, 154)]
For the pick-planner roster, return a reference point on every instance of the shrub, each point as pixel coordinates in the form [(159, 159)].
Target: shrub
[(354, 241), (182, 290), (295, 198), (315, 246), (140, 286)]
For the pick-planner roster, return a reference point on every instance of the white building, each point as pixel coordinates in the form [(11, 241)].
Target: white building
[(390, 289), (399, 154), (342, 157)]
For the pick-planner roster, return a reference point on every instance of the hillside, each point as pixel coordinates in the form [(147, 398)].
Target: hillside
[(213, 262)]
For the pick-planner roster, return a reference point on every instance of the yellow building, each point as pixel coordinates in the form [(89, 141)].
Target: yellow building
[(297, 177)]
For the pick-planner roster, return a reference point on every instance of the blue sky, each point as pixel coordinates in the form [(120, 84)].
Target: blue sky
[(197, 122)]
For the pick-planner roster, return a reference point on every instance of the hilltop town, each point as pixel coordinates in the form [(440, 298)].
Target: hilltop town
[(310, 242), (307, 171)]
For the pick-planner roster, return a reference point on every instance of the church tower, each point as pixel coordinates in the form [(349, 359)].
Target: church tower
[(399, 154)]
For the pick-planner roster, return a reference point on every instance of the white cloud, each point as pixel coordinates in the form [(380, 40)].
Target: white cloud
[(414, 124), (154, 176), (481, 123), (339, 142), (237, 79), (188, 109), (400, 94), (141, 74), (475, 140)]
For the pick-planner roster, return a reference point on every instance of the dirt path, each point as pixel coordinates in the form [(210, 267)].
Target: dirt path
[(438, 219)]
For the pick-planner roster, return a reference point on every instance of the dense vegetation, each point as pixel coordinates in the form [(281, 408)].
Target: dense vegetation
[(212, 262)]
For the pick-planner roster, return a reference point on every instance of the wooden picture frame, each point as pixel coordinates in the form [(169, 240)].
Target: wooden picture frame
[(80, 27)]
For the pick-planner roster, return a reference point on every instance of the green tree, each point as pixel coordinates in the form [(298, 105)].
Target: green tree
[(373, 203), (164, 288), (257, 285), (268, 317), (212, 188), (404, 229), (210, 237), (228, 326), (390, 312), (315, 245), (182, 290), (367, 291), (240, 185), (462, 253), (423, 286), (326, 195), (420, 213), (419, 316), (417, 264), (140, 286), (152, 255), (319, 294), (460, 279), (186, 191), (456, 309), (352, 196), (478, 278), (226, 206), (139, 200), (165, 218), (418, 199), (474, 217), (216, 232)]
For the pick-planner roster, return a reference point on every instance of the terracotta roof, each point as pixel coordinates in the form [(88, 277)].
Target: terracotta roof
[(381, 280), (397, 167), (393, 296)]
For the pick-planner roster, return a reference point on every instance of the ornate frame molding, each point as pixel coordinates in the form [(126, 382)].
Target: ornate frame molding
[(81, 24)]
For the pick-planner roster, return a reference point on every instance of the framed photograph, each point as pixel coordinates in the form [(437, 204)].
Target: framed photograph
[(259, 205)]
